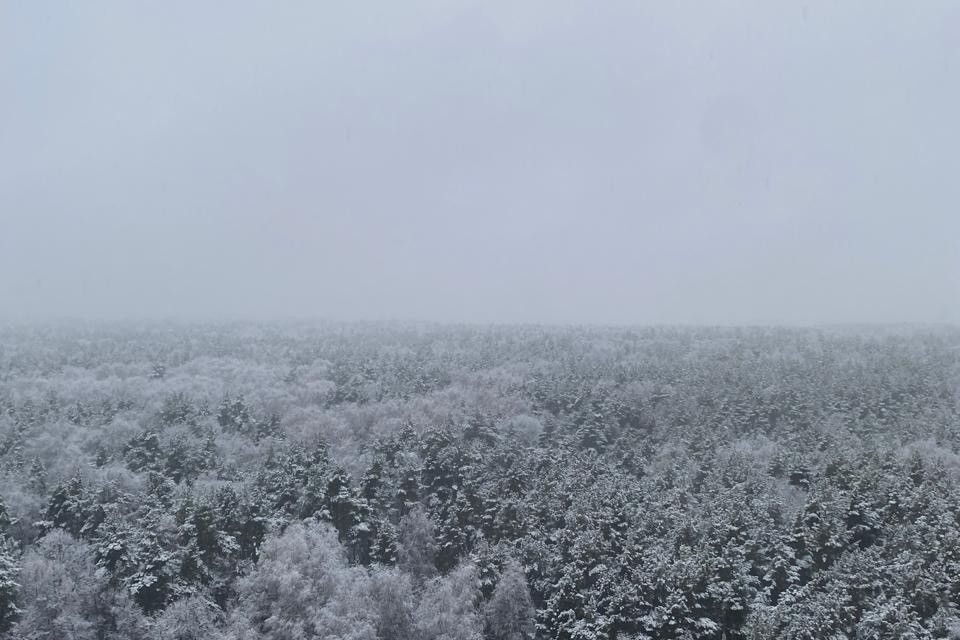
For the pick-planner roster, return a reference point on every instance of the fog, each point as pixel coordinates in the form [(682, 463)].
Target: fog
[(612, 162)]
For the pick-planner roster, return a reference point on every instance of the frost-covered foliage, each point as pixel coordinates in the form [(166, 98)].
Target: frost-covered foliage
[(417, 482), (509, 613)]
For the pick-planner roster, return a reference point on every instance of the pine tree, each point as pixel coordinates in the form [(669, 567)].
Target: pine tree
[(234, 415), (68, 507), (184, 460), (143, 452), (9, 571), (242, 518), (340, 503), (457, 532), (207, 554), (4, 518), (592, 433), (372, 484), (37, 478), (408, 493), (361, 537), (383, 550), (313, 499)]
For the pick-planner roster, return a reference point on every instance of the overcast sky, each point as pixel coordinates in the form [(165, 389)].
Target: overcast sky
[(608, 162)]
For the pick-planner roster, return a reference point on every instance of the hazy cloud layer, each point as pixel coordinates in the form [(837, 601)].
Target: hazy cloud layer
[(639, 162)]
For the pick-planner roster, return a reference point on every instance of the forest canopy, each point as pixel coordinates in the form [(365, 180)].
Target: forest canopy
[(418, 481)]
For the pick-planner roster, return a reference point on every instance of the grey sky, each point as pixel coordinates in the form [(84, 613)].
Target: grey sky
[(624, 162)]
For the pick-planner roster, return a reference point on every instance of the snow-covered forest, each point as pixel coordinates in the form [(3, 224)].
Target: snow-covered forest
[(428, 482)]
